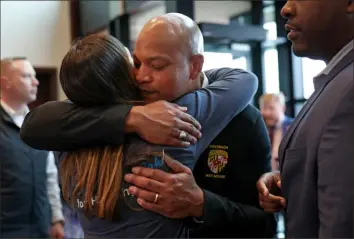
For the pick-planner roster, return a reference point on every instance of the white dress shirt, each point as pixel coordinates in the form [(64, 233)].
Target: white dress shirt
[(53, 189)]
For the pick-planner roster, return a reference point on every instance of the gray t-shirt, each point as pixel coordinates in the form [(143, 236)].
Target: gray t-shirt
[(214, 107)]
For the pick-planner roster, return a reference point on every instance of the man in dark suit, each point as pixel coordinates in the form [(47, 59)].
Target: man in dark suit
[(317, 153), (227, 172)]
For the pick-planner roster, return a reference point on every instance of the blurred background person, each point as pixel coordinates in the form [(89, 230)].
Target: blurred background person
[(272, 107), (30, 195)]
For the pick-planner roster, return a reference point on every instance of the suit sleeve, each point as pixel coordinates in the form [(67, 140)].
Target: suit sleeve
[(220, 212), (335, 172), (62, 126)]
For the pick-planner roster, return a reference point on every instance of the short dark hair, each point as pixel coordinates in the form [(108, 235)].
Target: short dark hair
[(7, 61), (96, 71)]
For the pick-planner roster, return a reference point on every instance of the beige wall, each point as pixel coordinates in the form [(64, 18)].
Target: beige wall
[(39, 30)]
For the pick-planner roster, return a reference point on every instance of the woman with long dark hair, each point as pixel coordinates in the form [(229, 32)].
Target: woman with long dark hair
[(97, 71)]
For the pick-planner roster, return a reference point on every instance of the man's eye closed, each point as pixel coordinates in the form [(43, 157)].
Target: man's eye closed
[(137, 65), (158, 67)]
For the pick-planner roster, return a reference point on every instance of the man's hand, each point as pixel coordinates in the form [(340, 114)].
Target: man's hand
[(173, 195), (269, 192), (161, 123), (57, 230)]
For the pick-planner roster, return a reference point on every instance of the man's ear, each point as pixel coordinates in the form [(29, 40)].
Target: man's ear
[(284, 108), (5, 82), (196, 62)]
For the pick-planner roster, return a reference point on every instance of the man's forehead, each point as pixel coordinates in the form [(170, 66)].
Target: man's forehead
[(155, 50), (157, 40), (23, 66), (150, 56), (270, 102), (21, 63)]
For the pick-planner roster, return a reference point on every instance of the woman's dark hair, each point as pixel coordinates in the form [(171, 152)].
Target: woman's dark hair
[(96, 71)]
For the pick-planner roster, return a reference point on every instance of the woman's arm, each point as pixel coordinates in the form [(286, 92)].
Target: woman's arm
[(64, 126)]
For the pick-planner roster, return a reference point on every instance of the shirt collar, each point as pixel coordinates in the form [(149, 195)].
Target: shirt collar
[(22, 112), (337, 58), (205, 80)]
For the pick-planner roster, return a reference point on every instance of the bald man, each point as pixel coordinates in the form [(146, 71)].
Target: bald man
[(30, 197), (156, 46), (168, 61)]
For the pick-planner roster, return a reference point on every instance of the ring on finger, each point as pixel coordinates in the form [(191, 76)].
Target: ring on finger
[(182, 135), (156, 197)]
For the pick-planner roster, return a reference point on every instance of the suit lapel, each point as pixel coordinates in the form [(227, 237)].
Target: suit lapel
[(289, 133), (320, 84)]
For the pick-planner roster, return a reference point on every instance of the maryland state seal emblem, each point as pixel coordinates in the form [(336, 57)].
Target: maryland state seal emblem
[(217, 160)]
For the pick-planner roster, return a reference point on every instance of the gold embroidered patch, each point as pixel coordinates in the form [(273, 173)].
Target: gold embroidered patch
[(217, 160)]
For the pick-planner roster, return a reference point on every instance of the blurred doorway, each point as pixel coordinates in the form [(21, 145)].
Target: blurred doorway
[(47, 89)]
